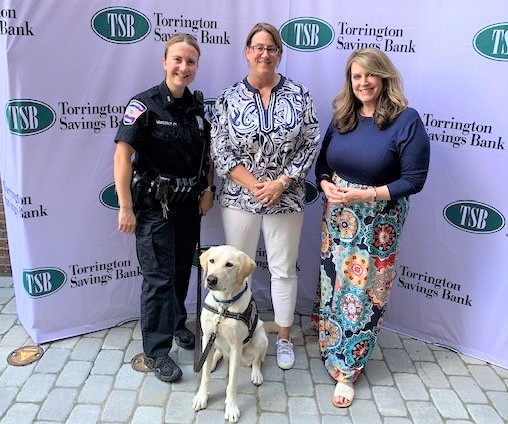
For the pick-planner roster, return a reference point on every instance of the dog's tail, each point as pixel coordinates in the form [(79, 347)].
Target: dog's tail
[(270, 327)]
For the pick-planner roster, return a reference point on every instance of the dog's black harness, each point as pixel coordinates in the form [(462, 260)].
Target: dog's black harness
[(249, 317)]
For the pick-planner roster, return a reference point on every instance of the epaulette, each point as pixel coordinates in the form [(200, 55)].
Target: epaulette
[(153, 92)]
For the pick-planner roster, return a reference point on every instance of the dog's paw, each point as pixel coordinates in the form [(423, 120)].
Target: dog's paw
[(256, 377), (200, 401), (232, 413)]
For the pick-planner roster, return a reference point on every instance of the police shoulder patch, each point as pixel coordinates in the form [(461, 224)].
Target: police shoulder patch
[(134, 110)]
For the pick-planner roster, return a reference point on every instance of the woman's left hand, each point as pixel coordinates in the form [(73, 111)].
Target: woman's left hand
[(268, 192), (205, 202)]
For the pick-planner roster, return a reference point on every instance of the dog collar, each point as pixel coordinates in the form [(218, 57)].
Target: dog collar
[(235, 298)]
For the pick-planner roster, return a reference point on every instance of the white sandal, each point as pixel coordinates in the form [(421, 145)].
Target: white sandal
[(346, 391)]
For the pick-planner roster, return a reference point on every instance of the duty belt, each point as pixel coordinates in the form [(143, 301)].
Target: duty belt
[(171, 190)]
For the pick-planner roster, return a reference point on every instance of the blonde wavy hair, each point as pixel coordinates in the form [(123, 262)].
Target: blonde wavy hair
[(391, 102)]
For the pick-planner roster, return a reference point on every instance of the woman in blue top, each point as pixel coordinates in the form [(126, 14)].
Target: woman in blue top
[(374, 155), (264, 140)]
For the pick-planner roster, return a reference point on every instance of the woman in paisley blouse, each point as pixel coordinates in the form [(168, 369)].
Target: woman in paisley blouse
[(264, 140), (374, 155)]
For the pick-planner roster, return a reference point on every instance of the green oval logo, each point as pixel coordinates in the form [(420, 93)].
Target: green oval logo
[(40, 282), (307, 34), (474, 217), (29, 117), (492, 41), (311, 192), (121, 25), (109, 198)]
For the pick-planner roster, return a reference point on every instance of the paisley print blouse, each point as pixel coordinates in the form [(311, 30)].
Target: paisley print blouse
[(281, 139)]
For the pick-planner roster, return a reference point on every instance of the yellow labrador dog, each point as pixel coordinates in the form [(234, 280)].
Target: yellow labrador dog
[(230, 317)]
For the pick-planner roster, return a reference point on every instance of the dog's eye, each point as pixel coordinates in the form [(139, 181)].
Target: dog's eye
[(229, 264), (212, 261)]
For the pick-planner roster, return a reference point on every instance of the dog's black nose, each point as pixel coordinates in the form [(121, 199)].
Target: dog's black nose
[(211, 281)]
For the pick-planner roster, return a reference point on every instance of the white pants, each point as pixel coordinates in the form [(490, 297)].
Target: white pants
[(281, 233)]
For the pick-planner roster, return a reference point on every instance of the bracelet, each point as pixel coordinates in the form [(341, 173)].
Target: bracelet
[(284, 183), (374, 196)]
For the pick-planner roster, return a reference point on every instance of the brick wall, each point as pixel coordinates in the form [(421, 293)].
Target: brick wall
[(5, 261)]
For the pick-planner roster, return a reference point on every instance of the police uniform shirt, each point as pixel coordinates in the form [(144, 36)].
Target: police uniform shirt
[(166, 133)]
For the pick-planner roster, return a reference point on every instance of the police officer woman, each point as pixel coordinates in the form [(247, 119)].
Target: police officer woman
[(171, 176)]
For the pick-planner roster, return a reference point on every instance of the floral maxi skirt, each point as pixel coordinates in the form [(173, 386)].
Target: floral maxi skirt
[(358, 252)]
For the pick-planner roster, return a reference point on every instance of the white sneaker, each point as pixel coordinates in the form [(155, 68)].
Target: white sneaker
[(285, 354)]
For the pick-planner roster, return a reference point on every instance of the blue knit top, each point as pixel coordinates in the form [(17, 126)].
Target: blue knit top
[(397, 156)]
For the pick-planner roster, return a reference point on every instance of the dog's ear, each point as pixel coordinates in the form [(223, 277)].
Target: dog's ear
[(203, 260), (247, 266)]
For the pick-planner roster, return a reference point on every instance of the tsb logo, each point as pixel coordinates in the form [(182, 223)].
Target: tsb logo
[(306, 34), (473, 217), (121, 25), (42, 282), (492, 41), (28, 117), (108, 197)]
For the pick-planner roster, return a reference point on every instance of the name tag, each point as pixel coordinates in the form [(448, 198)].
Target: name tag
[(167, 123)]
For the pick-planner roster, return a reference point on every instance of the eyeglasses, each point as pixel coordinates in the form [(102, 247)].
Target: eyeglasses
[(259, 49)]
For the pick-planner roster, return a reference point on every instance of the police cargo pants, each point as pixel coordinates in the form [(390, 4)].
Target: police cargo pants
[(165, 249)]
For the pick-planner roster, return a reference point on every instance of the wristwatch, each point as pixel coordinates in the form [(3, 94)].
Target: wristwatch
[(211, 188), (284, 183)]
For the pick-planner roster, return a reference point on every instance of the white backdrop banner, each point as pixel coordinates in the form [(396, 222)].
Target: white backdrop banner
[(69, 67)]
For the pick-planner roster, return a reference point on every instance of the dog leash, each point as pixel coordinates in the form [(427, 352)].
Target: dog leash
[(213, 336), (197, 347)]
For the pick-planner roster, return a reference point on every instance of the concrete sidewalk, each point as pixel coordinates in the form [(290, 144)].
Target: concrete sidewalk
[(89, 379)]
